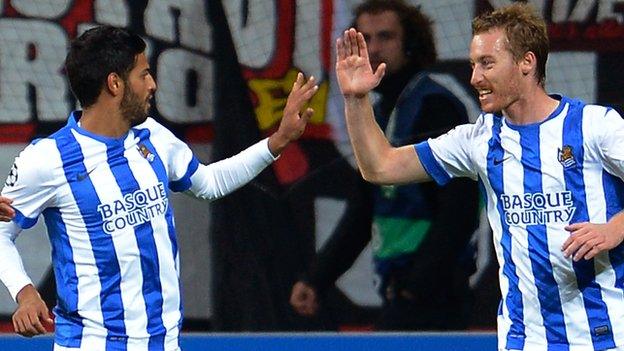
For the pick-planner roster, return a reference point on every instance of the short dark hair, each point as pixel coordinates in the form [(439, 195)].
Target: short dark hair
[(418, 40), (525, 31), (97, 53)]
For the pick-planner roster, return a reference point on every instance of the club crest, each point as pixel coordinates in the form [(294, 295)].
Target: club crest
[(145, 152), (566, 156)]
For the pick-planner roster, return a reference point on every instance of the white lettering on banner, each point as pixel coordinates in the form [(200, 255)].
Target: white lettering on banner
[(136, 208), (500, 3), (563, 10), (583, 10), (606, 10), (113, 12), (42, 70), (580, 12), (560, 10), (255, 36), (307, 52), (538, 4), (194, 28), (33, 53), (538, 208), (173, 67), (49, 9)]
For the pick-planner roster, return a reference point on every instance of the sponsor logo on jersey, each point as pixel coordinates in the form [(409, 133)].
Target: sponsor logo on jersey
[(135, 208), (538, 208)]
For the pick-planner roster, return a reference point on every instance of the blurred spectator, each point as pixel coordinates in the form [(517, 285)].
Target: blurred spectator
[(420, 232)]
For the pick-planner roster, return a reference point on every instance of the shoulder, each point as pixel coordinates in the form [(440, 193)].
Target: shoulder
[(479, 132), (38, 152), (487, 120), (470, 135), (601, 123), (151, 124), (35, 164), (593, 116), (585, 110), (598, 112), (483, 124), (158, 132)]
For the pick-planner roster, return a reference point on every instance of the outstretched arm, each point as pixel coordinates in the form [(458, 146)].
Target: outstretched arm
[(378, 161), (223, 177), (293, 123)]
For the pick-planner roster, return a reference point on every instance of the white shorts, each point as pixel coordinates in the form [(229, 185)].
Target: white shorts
[(90, 348), (620, 348)]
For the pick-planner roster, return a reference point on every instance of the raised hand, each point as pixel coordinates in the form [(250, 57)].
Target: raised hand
[(353, 69), (293, 122)]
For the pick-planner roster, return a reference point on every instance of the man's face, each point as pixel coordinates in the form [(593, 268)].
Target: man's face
[(139, 90), (384, 37), (495, 74)]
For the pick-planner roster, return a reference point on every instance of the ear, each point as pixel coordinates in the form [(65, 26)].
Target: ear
[(528, 63), (114, 84)]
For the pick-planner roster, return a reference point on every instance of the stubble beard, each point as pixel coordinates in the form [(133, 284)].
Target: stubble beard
[(132, 108)]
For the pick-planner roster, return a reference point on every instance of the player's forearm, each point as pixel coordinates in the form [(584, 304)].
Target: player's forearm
[(223, 177), (12, 272), (369, 143), (277, 142), (28, 292)]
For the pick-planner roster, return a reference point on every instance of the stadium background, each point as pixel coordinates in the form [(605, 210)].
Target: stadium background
[(223, 70)]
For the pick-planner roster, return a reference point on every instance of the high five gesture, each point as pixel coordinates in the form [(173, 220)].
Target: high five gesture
[(353, 68), (294, 121), (378, 161)]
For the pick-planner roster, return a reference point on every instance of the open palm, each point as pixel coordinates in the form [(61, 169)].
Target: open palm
[(353, 69)]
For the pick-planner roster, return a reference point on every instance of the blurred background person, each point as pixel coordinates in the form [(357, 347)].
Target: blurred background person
[(420, 232)]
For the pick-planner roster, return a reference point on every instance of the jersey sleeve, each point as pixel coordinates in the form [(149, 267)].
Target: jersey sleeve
[(31, 187), (30, 184), (609, 135), (12, 272), (223, 177), (182, 164), (177, 157), (448, 155), (187, 174)]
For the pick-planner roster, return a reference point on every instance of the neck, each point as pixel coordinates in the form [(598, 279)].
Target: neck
[(104, 120), (532, 107)]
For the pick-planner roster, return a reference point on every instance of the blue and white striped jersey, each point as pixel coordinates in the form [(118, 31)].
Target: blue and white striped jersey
[(106, 206), (538, 178)]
